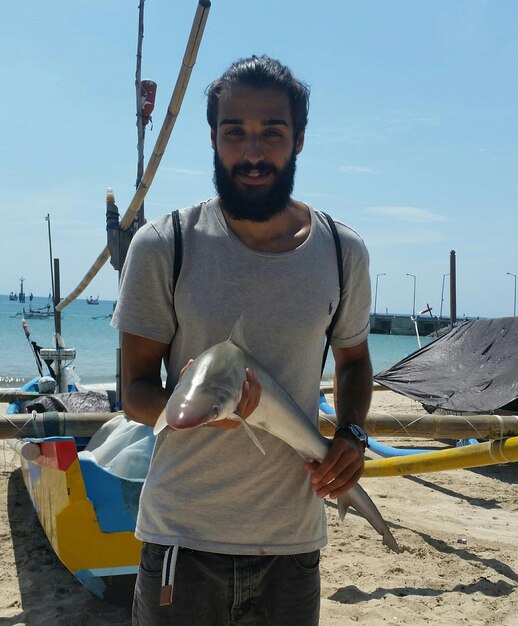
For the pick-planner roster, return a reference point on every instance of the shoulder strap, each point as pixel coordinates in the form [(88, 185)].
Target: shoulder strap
[(178, 250), (177, 266), (340, 264)]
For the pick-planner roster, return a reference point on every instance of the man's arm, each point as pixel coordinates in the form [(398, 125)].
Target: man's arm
[(143, 395), (343, 465)]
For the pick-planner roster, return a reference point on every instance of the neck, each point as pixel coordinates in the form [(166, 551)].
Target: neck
[(284, 232)]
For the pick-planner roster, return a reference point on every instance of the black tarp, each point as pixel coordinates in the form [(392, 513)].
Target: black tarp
[(73, 402), (472, 368)]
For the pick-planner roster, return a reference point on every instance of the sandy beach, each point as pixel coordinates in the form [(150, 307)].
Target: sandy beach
[(457, 531)]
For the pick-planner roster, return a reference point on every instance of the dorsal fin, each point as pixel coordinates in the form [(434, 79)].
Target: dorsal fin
[(237, 336)]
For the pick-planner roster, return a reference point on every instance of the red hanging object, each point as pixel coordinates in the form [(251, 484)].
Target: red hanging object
[(147, 99)]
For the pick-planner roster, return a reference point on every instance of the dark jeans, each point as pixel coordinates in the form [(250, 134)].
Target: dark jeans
[(225, 590)]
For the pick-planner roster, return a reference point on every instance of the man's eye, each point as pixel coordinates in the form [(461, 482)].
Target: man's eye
[(234, 131)]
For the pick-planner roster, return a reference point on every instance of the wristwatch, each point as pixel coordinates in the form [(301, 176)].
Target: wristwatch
[(356, 431)]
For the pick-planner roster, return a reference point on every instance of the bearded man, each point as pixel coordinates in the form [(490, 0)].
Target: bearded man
[(235, 534)]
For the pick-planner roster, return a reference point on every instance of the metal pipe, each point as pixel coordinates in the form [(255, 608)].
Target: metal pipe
[(453, 289)]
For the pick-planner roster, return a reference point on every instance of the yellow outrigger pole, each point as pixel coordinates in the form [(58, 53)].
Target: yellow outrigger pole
[(475, 455), (189, 59)]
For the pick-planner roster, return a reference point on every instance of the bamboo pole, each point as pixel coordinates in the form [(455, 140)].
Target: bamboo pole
[(175, 104), (476, 455), (140, 122), (435, 426), (11, 395), (53, 424), (378, 424)]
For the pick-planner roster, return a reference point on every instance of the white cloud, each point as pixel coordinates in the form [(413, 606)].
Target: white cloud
[(187, 172), (407, 213), (372, 130), (356, 169), (403, 239)]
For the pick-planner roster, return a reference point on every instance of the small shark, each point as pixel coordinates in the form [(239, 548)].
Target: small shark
[(210, 389)]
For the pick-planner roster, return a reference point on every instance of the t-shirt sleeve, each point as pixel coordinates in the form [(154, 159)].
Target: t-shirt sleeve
[(145, 302), (353, 325)]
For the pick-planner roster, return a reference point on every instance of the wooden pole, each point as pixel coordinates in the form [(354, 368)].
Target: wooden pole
[(52, 424), (140, 220), (47, 219), (378, 424), (175, 104)]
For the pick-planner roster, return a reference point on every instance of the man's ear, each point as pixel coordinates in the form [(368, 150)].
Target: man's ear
[(299, 142), (213, 138)]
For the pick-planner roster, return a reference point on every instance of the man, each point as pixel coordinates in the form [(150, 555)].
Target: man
[(247, 529)]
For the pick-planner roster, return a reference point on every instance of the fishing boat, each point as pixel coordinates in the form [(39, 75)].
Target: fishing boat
[(87, 512), (43, 313), (84, 470)]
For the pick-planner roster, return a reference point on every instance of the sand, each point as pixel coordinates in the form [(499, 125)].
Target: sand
[(458, 533)]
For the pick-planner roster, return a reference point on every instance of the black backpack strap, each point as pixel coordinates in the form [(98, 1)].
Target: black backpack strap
[(177, 266), (340, 263), (178, 249)]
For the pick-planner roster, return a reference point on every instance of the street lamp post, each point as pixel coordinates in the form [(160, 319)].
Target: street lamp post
[(514, 308), (376, 292), (413, 307), (442, 294)]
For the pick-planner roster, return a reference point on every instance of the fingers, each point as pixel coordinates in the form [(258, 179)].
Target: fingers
[(186, 367), (339, 471), (250, 396), (224, 424)]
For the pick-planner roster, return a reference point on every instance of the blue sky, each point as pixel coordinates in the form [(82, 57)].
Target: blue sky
[(412, 137)]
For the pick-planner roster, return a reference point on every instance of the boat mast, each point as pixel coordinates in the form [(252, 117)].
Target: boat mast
[(47, 219), (139, 219), (55, 284), (172, 113)]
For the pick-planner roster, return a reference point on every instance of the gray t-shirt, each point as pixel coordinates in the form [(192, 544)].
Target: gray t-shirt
[(209, 489)]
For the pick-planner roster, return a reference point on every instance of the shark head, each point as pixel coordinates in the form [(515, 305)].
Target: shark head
[(209, 390)]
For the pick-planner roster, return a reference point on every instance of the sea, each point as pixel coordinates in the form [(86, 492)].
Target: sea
[(86, 328)]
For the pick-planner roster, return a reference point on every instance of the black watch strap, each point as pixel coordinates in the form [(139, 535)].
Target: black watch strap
[(353, 430)]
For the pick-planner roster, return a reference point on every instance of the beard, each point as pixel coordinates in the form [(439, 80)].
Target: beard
[(254, 203)]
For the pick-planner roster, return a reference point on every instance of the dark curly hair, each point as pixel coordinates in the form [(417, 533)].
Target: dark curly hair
[(262, 72)]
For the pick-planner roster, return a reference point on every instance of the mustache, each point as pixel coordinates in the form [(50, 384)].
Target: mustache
[(246, 168)]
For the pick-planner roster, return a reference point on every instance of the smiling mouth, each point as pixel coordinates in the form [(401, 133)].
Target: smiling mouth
[(253, 178), (256, 171)]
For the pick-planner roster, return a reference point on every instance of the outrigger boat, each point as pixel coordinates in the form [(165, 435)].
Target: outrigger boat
[(87, 504), (87, 512)]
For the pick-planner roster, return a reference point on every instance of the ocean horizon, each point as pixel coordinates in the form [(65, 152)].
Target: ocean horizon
[(86, 328)]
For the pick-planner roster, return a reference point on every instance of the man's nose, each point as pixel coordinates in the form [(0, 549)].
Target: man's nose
[(253, 151)]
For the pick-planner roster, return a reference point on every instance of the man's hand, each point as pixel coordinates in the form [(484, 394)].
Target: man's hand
[(340, 470), (249, 400)]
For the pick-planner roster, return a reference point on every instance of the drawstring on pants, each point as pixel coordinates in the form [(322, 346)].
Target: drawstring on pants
[(168, 570)]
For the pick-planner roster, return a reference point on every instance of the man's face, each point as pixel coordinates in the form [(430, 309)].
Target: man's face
[(254, 152)]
